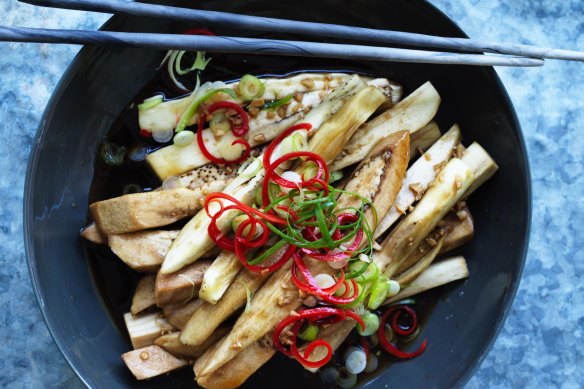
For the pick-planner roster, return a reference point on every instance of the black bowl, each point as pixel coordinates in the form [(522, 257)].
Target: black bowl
[(82, 308)]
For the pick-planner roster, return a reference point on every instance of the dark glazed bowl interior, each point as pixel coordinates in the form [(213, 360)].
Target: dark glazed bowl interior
[(101, 83)]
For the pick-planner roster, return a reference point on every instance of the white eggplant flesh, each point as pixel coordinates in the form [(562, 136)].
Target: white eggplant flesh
[(144, 329), (481, 163), (411, 114), (219, 276), (448, 189), (439, 273), (151, 361), (419, 177)]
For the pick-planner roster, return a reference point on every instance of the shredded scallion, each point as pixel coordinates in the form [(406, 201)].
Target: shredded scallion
[(187, 116), (277, 103), (173, 60), (151, 102), (250, 87), (199, 64)]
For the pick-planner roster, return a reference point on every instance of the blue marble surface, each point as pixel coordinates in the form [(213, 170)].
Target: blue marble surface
[(541, 343)]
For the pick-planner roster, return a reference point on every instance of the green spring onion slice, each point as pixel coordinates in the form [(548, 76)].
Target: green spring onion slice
[(277, 103), (250, 87)]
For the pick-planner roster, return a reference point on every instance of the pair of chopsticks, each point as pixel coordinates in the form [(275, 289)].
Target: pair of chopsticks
[(508, 54)]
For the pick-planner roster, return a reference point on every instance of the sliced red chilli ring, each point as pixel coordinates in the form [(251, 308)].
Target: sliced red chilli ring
[(396, 311), (312, 316), (309, 285), (270, 149), (239, 130), (211, 157)]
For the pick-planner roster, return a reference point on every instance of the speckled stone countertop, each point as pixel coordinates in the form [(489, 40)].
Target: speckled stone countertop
[(541, 343)]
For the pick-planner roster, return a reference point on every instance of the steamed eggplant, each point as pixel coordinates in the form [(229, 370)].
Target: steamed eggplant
[(363, 136), (272, 302)]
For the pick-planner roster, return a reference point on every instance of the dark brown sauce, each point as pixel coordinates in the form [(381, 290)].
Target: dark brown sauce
[(116, 282)]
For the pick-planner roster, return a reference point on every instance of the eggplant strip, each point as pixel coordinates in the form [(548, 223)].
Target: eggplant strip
[(275, 300), (197, 179), (423, 139), (151, 361), (235, 372), (194, 240), (483, 166), (142, 211), (459, 232), (143, 250), (221, 274), (176, 288), (411, 114), (93, 234), (419, 177), (457, 227), (439, 273), (207, 317), (144, 294), (171, 343), (333, 134), (448, 189), (145, 328), (179, 314), (422, 264)]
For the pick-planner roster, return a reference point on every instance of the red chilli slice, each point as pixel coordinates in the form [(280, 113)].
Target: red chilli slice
[(198, 31), (270, 149), (216, 196), (395, 312), (309, 285), (312, 316), (238, 131), (271, 174), (211, 157), (242, 242), (243, 128)]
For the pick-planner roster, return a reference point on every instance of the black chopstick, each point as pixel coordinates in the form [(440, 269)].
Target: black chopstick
[(239, 45), (212, 18)]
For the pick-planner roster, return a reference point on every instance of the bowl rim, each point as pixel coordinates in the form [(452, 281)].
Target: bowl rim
[(28, 217)]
